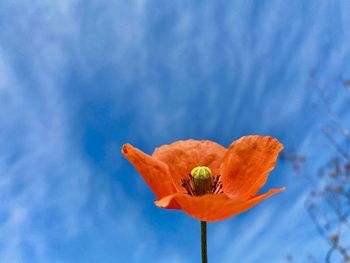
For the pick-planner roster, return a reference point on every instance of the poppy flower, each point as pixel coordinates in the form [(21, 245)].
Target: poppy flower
[(231, 178)]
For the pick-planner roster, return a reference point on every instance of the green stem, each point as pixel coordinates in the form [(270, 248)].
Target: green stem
[(204, 241)]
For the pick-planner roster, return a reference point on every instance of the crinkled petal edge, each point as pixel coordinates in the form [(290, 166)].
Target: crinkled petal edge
[(212, 207)]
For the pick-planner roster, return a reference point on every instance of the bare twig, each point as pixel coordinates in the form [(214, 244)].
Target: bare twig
[(328, 204)]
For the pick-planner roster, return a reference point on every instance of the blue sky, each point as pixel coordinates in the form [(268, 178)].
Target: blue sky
[(80, 78)]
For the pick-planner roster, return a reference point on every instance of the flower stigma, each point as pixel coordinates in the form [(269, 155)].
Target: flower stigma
[(201, 180)]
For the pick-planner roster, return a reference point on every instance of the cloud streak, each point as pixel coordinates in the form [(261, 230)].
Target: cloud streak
[(78, 79)]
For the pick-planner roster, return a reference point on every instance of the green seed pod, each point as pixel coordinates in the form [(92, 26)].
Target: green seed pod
[(201, 180)]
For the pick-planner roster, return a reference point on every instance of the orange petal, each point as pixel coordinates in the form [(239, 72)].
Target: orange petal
[(211, 207), (182, 156), (247, 164), (155, 173)]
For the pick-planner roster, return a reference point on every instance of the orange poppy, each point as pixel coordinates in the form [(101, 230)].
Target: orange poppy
[(240, 171)]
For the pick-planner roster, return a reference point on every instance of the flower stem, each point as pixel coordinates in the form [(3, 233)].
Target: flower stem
[(204, 241)]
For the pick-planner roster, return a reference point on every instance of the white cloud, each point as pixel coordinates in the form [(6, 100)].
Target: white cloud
[(40, 167)]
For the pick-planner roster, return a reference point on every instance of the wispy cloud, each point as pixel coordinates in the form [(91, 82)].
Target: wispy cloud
[(165, 72)]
